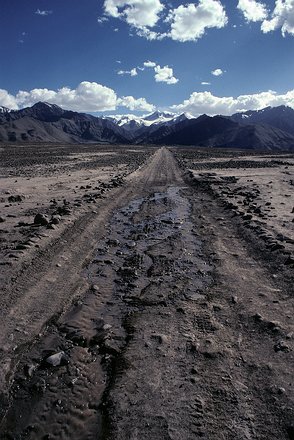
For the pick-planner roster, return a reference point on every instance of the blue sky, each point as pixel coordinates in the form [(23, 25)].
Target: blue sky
[(116, 56)]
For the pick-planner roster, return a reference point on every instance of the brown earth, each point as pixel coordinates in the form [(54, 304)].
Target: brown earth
[(163, 297)]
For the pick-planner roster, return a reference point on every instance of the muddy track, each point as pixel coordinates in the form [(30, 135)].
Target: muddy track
[(177, 331)]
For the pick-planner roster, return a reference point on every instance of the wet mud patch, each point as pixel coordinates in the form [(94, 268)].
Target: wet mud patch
[(147, 266)]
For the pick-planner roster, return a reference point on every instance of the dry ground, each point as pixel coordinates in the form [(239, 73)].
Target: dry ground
[(159, 304)]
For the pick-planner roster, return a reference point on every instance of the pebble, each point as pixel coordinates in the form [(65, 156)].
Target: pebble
[(41, 219), (57, 359), (282, 346)]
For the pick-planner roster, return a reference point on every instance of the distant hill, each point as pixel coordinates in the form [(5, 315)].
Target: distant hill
[(281, 117), (219, 131), (44, 122)]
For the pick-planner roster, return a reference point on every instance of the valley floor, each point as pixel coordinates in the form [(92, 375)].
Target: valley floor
[(151, 299)]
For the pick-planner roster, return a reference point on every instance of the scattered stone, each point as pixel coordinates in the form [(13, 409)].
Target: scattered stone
[(247, 217), (128, 272), (63, 210), (234, 299), (131, 245), (29, 369), (21, 247), (57, 359), (13, 199), (55, 220), (289, 261), (282, 346), (161, 339), (257, 317), (113, 242), (20, 224), (2, 220), (41, 219), (112, 347)]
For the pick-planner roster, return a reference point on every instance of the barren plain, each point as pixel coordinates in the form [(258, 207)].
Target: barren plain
[(146, 293)]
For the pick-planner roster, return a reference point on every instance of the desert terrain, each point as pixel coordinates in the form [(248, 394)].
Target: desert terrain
[(146, 293)]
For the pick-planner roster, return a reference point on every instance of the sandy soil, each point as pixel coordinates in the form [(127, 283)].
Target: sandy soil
[(159, 304)]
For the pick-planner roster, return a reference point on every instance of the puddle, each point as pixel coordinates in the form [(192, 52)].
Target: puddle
[(150, 257)]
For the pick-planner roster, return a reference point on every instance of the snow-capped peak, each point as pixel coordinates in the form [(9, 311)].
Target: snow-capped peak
[(4, 110), (131, 122)]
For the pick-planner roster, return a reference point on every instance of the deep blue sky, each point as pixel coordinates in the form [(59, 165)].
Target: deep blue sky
[(68, 46)]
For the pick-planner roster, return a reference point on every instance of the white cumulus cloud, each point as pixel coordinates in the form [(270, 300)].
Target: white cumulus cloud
[(139, 104), (185, 23), (217, 72), (205, 102), (149, 64), (189, 22), (161, 74), (165, 74), (87, 97), (7, 100), (282, 18), (132, 72), (253, 10), (102, 19), (137, 13)]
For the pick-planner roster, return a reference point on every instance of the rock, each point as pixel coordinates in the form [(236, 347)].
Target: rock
[(131, 245), (113, 242), (128, 272), (21, 247), (234, 299), (41, 219), (161, 339), (112, 347), (12, 199), (2, 219), (257, 317), (55, 219), (29, 369), (63, 210), (289, 261), (21, 223), (282, 346), (57, 359)]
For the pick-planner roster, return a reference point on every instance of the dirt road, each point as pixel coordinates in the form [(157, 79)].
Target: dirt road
[(152, 318)]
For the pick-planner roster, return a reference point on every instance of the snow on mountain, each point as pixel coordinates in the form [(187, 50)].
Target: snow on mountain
[(133, 123), (4, 110)]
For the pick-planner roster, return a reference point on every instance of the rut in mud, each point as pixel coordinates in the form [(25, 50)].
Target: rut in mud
[(176, 337)]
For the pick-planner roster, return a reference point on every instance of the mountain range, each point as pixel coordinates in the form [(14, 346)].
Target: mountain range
[(267, 129)]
